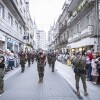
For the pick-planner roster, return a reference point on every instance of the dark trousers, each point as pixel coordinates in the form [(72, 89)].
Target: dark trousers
[(89, 72), (28, 62)]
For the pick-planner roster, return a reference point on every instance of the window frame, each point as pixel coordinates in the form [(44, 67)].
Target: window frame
[(2, 11), (10, 19)]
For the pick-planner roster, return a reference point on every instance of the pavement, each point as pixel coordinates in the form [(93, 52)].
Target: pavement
[(25, 86), (59, 85), (67, 72)]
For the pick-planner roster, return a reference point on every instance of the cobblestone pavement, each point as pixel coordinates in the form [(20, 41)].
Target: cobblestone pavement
[(68, 74), (25, 86)]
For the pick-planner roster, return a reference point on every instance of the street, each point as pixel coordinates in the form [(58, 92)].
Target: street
[(25, 86)]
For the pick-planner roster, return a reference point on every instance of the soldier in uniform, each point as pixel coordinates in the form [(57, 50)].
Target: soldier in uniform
[(79, 64), (29, 58), (32, 57), (53, 59), (2, 67), (22, 57), (49, 59), (40, 65)]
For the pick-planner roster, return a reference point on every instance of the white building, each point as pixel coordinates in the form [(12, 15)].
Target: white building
[(41, 38), (14, 17)]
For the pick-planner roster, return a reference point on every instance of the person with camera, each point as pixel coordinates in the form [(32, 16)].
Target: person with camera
[(79, 64)]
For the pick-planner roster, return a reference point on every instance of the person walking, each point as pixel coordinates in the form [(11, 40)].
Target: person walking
[(29, 58), (49, 59), (40, 65), (2, 71), (11, 60), (79, 63), (53, 59), (94, 73), (32, 57), (22, 57)]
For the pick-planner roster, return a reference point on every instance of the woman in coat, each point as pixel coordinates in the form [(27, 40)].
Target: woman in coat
[(94, 72)]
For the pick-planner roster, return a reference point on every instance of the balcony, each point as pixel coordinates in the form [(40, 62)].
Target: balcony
[(79, 8), (89, 30), (70, 39)]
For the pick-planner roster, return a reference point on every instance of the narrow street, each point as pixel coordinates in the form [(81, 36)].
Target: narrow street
[(25, 86)]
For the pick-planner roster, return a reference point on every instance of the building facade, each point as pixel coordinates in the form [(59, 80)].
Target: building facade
[(79, 27), (13, 24), (41, 39)]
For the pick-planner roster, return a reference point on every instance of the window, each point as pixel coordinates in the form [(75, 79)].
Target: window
[(20, 30), (10, 19), (16, 25), (88, 20), (1, 11)]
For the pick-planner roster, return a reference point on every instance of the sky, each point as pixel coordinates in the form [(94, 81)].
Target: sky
[(45, 12)]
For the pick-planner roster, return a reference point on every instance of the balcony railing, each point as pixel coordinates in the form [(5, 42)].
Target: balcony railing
[(70, 39), (88, 30)]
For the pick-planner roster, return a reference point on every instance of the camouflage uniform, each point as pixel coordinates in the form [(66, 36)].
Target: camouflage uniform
[(2, 66), (29, 58), (49, 59), (40, 66), (22, 56), (79, 64), (53, 59)]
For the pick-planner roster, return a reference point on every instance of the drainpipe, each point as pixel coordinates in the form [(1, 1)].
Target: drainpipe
[(97, 25)]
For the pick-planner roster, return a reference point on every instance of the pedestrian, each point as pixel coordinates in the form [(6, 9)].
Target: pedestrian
[(79, 64), (53, 59), (29, 58), (49, 59), (94, 73), (32, 57), (90, 56), (11, 60), (2, 71), (40, 65), (22, 56)]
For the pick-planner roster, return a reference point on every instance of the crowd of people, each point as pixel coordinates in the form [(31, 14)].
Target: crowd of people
[(90, 66), (92, 63), (9, 60), (86, 65)]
